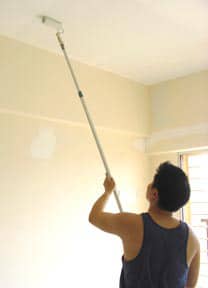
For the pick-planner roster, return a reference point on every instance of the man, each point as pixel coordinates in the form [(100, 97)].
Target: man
[(159, 250)]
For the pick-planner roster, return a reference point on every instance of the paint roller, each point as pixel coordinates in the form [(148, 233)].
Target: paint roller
[(53, 23), (57, 25)]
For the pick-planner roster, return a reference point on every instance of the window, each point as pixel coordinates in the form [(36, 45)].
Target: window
[(196, 211)]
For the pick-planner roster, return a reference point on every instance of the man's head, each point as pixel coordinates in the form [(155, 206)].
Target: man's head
[(170, 188)]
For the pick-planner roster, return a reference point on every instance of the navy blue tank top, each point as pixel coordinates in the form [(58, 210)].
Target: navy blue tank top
[(161, 261)]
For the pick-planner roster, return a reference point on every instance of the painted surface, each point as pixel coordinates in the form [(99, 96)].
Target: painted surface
[(51, 172), (38, 82), (179, 114), (145, 40)]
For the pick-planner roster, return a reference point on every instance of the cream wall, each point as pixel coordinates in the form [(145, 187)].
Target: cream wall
[(38, 82), (179, 120), (179, 114), (51, 171), (180, 102)]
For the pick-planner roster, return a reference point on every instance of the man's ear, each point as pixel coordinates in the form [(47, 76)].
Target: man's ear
[(154, 194)]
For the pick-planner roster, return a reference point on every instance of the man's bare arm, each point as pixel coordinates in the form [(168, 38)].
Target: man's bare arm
[(120, 224), (193, 273)]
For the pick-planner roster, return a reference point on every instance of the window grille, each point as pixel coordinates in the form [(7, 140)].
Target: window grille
[(196, 211)]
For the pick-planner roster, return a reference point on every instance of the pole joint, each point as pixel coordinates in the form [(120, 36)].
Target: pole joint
[(80, 94)]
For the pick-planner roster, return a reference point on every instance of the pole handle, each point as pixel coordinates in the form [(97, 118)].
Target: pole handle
[(81, 97)]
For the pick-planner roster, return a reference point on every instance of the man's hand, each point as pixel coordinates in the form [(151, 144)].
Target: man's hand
[(109, 184)]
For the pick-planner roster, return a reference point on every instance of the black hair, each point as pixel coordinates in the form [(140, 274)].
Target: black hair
[(173, 187)]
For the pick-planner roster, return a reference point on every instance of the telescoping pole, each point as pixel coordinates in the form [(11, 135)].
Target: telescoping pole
[(81, 97)]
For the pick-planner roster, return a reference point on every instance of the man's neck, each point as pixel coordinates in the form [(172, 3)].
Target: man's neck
[(155, 210)]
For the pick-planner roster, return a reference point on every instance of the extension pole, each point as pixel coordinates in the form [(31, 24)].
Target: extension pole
[(81, 97)]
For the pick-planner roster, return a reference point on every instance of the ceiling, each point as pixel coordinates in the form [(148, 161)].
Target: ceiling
[(148, 41)]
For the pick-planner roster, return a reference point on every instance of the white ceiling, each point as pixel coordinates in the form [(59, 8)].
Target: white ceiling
[(146, 40)]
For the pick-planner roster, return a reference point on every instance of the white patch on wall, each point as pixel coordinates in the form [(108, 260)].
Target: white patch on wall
[(198, 129), (44, 143)]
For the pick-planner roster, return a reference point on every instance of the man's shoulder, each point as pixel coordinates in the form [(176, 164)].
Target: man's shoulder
[(133, 225), (133, 219), (131, 216)]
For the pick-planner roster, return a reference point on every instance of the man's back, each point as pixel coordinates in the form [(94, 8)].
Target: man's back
[(158, 251)]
